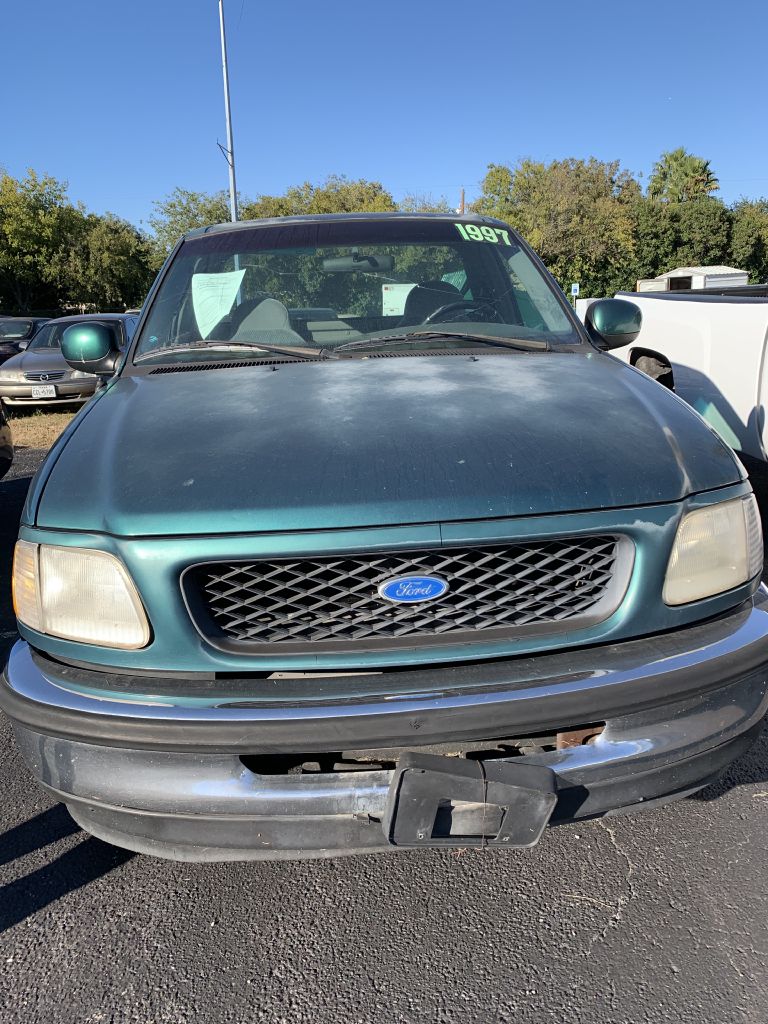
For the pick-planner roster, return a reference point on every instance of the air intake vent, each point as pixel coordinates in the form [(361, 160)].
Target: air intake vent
[(193, 367), (418, 352)]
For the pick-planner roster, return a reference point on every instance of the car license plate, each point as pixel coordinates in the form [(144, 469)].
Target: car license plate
[(44, 391)]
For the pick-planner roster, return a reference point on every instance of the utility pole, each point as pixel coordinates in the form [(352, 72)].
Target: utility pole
[(461, 204), (229, 152)]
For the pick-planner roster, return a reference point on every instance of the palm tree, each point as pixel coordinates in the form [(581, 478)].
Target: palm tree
[(680, 175)]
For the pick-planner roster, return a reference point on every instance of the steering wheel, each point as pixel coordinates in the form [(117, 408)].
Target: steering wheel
[(458, 304)]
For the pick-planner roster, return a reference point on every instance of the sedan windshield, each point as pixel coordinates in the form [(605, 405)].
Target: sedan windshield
[(15, 330), (49, 337), (309, 285)]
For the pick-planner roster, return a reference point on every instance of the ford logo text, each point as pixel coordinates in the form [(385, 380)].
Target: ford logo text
[(412, 589)]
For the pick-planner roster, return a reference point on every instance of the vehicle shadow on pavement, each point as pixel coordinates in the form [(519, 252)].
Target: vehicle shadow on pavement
[(42, 830), (749, 769), (84, 863)]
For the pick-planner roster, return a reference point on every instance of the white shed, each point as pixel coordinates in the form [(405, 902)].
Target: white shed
[(684, 278)]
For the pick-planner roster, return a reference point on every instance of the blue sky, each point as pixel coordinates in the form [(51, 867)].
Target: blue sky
[(124, 99)]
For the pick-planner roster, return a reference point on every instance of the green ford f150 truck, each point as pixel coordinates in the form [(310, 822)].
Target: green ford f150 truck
[(366, 543)]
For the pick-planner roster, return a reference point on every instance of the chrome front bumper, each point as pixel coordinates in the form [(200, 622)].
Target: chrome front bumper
[(162, 777), (67, 392)]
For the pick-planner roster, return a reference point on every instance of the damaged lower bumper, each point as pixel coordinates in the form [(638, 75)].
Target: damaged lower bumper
[(180, 782)]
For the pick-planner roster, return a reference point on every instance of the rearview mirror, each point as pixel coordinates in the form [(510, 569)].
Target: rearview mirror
[(612, 323), (91, 348), (357, 263)]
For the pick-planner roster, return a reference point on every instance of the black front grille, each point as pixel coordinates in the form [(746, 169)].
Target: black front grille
[(333, 602)]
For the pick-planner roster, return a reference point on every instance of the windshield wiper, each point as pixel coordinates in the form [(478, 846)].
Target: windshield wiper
[(521, 344), (283, 350)]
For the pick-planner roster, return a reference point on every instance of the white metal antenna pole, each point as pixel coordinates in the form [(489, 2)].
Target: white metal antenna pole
[(229, 153)]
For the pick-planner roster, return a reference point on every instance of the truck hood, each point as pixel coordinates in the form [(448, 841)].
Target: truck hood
[(390, 440)]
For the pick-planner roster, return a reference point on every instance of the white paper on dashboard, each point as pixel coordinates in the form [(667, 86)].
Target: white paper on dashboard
[(212, 297)]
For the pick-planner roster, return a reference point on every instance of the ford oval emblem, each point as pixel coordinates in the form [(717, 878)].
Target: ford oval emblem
[(412, 589)]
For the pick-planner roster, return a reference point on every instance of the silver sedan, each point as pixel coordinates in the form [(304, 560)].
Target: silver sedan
[(40, 375)]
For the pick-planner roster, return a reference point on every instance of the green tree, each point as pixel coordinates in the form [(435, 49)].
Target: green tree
[(577, 214), (270, 206), (414, 202), (656, 238), (679, 176), (669, 235), (54, 254), (749, 238), (336, 194), (497, 197), (704, 233), (179, 212), (36, 221), (109, 264)]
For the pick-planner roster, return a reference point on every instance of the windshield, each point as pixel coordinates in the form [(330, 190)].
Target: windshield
[(49, 336), (322, 285), (15, 330)]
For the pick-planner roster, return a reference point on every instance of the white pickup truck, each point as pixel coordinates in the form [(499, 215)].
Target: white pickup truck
[(710, 348)]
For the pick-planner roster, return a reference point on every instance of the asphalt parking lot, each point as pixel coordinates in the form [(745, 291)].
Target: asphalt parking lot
[(652, 918)]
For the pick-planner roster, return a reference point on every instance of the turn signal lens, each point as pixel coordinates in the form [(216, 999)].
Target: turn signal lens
[(24, 585), (78, 594), (717, 548)]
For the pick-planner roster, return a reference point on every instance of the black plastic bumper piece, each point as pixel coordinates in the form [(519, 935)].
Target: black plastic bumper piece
[(447, 801)]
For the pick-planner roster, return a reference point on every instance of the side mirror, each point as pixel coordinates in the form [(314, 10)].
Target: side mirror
[(612, 323), (22, 345), (91, 348)]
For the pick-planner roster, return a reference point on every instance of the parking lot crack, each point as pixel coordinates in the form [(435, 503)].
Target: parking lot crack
[(622, 901), (625, 856)]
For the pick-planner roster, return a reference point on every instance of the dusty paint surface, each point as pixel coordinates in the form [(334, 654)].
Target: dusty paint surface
[(377, 442)]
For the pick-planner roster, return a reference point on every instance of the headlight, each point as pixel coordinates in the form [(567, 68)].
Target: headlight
[(11, 376), (77, 594), (716, 549)]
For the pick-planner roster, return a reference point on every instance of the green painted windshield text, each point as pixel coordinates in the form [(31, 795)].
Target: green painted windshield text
[(483, 233)]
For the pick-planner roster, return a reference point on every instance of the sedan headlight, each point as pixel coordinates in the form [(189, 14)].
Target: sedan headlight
[(11, 376), (716, 549), (78, 594)]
